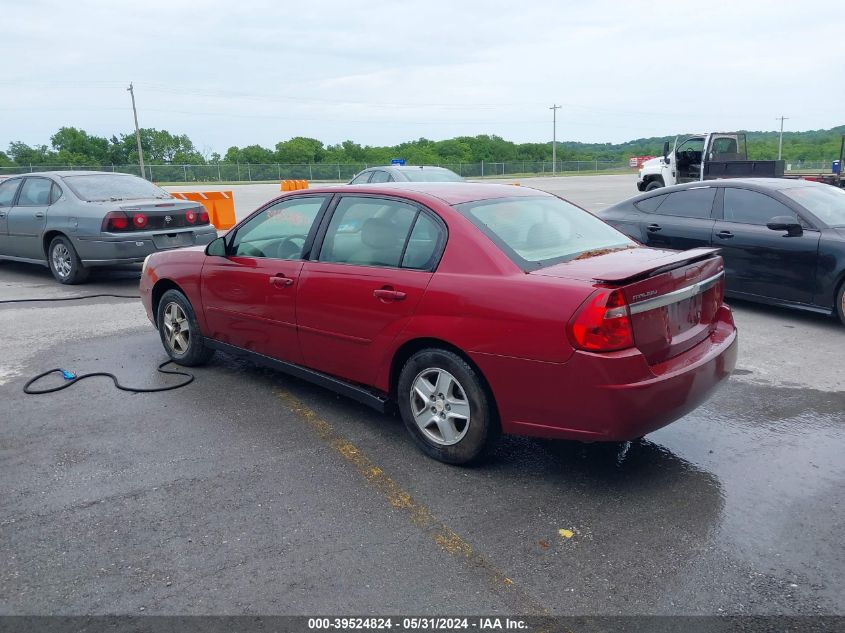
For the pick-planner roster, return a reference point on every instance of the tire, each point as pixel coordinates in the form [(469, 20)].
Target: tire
[(180, 332), (840, 303), (64, 262), (446, 407), (654, 184)]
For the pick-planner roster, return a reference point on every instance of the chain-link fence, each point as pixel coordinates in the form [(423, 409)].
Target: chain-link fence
[(333, 172)]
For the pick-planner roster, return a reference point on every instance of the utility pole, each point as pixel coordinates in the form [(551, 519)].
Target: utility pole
[(780, 140), (137, 131), (554, 110)]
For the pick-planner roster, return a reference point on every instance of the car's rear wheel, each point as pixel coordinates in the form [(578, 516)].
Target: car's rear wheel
[(840, 303), (654, 184), (445, 406), (179, 331), (64, 262)]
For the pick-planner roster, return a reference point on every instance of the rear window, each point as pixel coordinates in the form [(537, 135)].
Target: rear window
[(101, 187), (541, 231), (825, 202), (431, 175)]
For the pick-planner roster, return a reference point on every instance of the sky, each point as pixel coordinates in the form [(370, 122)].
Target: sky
[(239, 73)]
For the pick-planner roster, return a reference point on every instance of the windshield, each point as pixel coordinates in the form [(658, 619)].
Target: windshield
[(431, 175), (540, 231), (826, 202), (101, 187)]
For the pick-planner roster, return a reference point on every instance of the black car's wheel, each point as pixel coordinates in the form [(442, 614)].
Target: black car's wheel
[(654, 184), (179, 331), (64, 262), (840, 303), (445, 406)]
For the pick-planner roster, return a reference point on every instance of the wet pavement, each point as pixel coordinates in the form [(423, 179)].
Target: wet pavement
[(252, 492)]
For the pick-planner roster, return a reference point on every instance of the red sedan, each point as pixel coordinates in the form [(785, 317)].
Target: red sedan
[(476, 309)]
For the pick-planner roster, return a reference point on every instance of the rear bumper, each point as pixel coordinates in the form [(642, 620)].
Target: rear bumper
[(101, 251), (607, 397)]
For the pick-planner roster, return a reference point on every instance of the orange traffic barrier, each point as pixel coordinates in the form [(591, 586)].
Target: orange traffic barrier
[(293, 185), (219, 204)]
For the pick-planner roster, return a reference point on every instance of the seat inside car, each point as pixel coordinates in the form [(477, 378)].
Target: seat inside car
[(381, 243)]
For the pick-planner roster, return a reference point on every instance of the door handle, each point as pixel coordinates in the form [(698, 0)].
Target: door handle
[(2, 214), (724, 235), (280, 281), (39, 214), (653, 228), (389, 294)]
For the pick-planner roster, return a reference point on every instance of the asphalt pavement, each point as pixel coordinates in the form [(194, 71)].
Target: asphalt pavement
[(249, 492)]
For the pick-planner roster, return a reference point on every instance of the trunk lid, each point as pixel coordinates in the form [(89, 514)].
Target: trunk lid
[(162, 214), (673, 298)]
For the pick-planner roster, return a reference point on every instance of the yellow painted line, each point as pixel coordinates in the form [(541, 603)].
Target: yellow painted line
[(397, 497)]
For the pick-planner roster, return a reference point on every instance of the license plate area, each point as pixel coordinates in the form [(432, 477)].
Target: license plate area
[(173, 240)]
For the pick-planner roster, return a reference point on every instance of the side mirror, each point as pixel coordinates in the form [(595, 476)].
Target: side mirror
[(785, 223), (216, 247), (666, 151)]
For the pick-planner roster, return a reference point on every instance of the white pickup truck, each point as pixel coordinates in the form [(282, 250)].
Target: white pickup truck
[(705, 157)]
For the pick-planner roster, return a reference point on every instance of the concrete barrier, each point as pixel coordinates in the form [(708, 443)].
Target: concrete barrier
[(219, 204), (293, 185)]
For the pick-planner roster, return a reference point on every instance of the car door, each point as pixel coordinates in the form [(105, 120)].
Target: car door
[(249, 295), (375, 261), (25, 220), (8, 189), (679, 220), (758, 260)]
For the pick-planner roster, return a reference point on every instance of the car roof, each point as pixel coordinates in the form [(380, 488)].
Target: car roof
[(762, 184), (70, 172), (449, 192)]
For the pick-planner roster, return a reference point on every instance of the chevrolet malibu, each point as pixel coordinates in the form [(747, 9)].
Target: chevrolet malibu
[(474, 309), (73, 221)]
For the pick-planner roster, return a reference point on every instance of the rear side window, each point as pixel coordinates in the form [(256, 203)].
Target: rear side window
[(689, 203), (7, 191), (368, 232), (55, 193), (649, 205), (35, 192), (750, 207), (424, 244)]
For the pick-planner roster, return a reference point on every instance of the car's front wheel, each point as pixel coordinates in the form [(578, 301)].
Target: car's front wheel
[(179, 331), (64, 262), (445, 406)]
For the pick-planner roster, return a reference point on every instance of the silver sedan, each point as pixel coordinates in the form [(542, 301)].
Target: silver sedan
[(72, 221), (405, 173)]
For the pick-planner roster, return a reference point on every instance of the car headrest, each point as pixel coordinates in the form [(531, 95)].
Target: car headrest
[(543, 235), (379, 233)]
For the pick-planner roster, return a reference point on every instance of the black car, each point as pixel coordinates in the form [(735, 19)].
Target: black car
[(783, 241)]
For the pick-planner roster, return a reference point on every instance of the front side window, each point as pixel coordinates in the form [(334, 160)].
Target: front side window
[(689, 203), (278, 232), (825, 202), (750, 207), (7, 191), (35, 192), (372, 232), (361, 178), (540, 231)]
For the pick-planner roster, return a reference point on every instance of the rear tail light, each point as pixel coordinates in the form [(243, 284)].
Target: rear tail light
[(190, 216), (115, 221), (203, 217), (603, 323), (139, 220)]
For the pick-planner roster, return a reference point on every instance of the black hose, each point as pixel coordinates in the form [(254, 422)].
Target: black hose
[(72, 380), (70, 298)]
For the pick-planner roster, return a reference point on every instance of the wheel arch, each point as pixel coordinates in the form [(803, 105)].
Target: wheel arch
[(48, 237), (411, 347), (160, 287)]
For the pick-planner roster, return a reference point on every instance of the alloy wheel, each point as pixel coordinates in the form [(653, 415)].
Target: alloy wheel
[(440, 406), (62, 262), (177, 330)]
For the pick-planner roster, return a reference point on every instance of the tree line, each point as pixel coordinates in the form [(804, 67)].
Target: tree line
[(72, 146)]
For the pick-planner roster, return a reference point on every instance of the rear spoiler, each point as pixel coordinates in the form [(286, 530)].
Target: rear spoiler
[(660, 265)]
